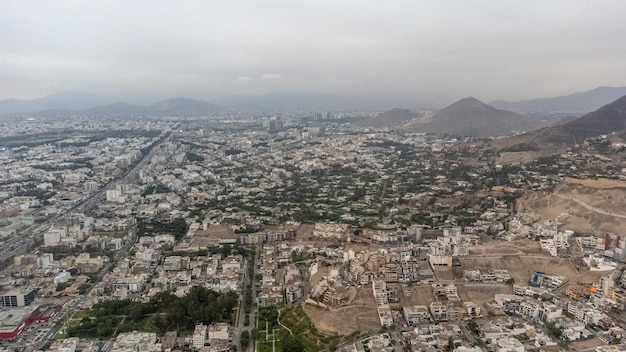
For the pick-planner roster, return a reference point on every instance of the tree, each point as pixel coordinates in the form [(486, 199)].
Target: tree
[(292, 344), (244, 339)]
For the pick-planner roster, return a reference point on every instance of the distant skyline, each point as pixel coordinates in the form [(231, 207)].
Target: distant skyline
[(429, 52)]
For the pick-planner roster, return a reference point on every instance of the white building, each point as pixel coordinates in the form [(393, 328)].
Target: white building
[(199, 336), (62, 277), (416, 314), (508, 344)]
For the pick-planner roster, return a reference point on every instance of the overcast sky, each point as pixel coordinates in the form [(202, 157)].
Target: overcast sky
[(429, 51)]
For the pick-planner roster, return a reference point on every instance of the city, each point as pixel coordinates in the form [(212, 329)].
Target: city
[(356, 238), (312, 176)]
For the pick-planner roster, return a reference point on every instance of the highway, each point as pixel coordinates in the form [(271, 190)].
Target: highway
[(22, 242)]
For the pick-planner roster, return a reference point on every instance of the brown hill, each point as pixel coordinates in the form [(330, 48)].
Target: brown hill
[(471, 117), (567, 133), (607, 119)]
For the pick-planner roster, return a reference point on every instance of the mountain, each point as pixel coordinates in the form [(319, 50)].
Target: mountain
[(607, 119), (116, 109), (185, 106), (556, 138), (299, 101), (69, 100), (576, 103), (70, 103), (470, 117), (388, 118), (174, 106)]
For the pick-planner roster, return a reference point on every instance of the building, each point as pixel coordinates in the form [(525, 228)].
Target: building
[(416, 315), (199, 336), (65, 345), (136, 341), (17, 298), (508, 344), (12, 322), (440, 260), (379, 288)]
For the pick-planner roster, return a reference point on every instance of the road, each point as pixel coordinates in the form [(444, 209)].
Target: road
[(241, 312), (86, 204), (590, 207), (253, 309)]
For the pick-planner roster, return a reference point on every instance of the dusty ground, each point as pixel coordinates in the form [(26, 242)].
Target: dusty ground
[(519, 266), (479, 293), (416, 295), (585, 345), (519, 257), (599, 183), (518, 247), (592, 206), (361, 315)]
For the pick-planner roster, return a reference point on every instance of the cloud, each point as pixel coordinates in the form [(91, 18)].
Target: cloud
[(272, 76), (418, 50)]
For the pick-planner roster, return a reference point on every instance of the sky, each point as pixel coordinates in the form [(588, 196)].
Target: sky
[(426, 51)]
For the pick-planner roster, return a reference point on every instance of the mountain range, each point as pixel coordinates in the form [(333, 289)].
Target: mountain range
[(290, 101), (572, 104), (605, 120), (174, 106), (69, 100), (282, 101), (305, 101)]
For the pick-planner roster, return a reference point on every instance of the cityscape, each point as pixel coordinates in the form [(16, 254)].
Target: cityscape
[(300, 232), (312, 176)]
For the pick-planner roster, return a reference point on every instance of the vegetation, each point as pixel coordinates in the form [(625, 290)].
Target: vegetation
[(244, 339), (193, 157), (521, 147), (162, 313), (301, 257), (553, 330), (152, 189), (522, 337), (301, 336), (176, 227)]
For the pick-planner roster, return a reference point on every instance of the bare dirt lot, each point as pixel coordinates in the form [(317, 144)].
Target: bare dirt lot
[(591, 206), (479, 293), (585, 345), (519, 266), (416, 295), (519, 257), (518, 247), (360, 315)]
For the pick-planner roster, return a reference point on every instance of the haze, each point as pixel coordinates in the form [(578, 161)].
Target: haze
[(427, 51)]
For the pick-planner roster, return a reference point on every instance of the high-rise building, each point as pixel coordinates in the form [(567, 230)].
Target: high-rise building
[(274, 124), (17, 298)]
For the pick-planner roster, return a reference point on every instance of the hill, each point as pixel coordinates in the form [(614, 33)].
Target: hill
[(470, 117), (305, 101), (69, 100), (555, 138), (388, 118), (607, 119), (115, 109), (576, 103), (185, 106), (66, 104)]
